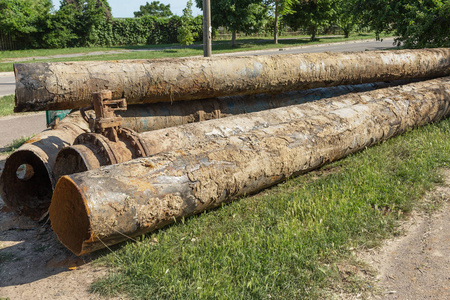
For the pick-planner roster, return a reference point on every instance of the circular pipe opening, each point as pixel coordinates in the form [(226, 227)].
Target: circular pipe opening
[(26, 184), (69, 215), (70, 160), (25, 172)]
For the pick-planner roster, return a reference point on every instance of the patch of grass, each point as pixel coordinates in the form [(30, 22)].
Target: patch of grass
[(6, 105), (247, 44), (48, 52), (6, 257), (286, 242), (15, 144)]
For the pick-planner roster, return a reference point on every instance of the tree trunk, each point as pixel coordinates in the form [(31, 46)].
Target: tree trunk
[(233, 38), (313, 33), (105, 206), (54, 86), (275, 29)]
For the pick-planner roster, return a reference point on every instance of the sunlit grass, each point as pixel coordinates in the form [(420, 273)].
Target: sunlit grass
[(244, 44), (6, 105), (285, 242), (14, 145)]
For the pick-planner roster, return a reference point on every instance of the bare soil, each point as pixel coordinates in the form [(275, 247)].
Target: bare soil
[(35, 265), (415, 265)]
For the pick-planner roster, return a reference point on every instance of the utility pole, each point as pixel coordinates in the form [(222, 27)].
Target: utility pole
[(207, 48)]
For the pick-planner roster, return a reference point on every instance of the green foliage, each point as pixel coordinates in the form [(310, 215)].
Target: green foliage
[(278, 8), (23, 21), (346, 19), (155, 8), (418, 24), (15, 144), (6, 105), (79, 23), (186, 33), (60, 28), (312, 15), (284, 243), (428, 24), (246, 16)]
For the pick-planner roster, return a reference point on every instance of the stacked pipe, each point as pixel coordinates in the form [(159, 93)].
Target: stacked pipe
[(46, 86), (198, 166), (105, 206), (30, 195)]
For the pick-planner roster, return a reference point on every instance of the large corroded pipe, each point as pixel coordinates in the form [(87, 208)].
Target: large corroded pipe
[(92, 150), (28, 179), (26, 183), (149, 117), (105, 206), (47, 86)]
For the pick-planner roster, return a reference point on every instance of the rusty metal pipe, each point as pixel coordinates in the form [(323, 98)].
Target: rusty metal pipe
[(31, 195), (105, 206), (53, 86), (27, 180), (92, 150)]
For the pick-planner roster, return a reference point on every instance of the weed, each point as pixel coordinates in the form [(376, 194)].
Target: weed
[(6, 105), (289, 241), (15, 144)]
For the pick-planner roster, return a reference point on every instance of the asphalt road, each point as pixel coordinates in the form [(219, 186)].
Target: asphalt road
[(14, 127), (7, 83), (351, 46), (17, 126)]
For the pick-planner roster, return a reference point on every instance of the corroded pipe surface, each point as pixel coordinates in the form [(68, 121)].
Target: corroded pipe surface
[(148, 117), (53, 86), (92, 150), (27, 181), (102, 207), (31, 194)]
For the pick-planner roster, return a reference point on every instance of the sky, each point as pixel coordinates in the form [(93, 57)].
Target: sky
[(125, 9)]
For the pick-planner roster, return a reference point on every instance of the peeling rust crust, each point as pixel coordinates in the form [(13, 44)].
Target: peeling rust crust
[(88, 152), (141, 195), (52, 86), (45, 146)]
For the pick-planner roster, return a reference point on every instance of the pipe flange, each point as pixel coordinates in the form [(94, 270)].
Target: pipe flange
[(100, 143), (139, 146)]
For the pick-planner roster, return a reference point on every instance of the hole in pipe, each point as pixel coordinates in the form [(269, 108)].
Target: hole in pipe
[(25, 172)]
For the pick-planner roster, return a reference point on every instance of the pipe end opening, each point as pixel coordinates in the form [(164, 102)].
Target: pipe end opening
[(69, 215), (26, 184), (71, 160)]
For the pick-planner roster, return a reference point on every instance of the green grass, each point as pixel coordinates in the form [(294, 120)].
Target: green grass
[(6, 105), (248, 44), (6, 256), (47, 52), (15, 144), (286, 242)]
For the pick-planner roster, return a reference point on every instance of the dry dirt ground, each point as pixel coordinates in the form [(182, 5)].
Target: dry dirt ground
[(415, 265)]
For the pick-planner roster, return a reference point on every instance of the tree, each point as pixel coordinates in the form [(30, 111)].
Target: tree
[(60, 28), (82, 21), (346, 16), (23, 21), (246, 16), (154, 8), (312, 14), (417, 24), (279, 8), (186, 34)]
